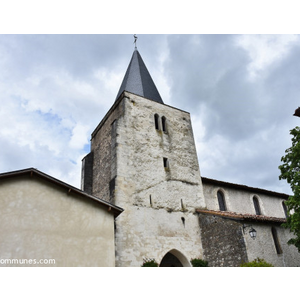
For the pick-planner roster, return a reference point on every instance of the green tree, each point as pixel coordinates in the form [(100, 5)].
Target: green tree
[(290, 170)]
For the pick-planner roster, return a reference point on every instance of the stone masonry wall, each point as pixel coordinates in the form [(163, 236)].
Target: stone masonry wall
[(159, 200), (103, 145), (141, 150), (87, 173), (223, 242), (264, 246), (241, 201)]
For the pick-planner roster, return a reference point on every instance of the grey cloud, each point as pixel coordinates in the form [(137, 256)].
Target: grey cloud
[(210, 73), (207, 75), (79, 55)]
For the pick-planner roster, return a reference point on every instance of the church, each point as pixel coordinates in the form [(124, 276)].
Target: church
[(143, 158), (142, 198)]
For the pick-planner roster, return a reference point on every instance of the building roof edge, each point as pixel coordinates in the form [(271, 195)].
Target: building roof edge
[(241, 216), (35, 172), (244, 187)]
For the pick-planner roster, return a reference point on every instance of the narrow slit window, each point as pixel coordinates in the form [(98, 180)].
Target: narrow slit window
[(285, 209), (156, 121), (221, 201), (112, 186), (183, 221), (276, 241), (164, 124), (166, 162), (256, 205)]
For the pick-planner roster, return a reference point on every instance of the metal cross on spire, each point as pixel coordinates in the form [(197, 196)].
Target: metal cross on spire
[(135, 38)]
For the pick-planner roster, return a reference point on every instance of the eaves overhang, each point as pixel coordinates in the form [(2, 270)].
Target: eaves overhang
[(241, 217), (244, 187), (32, 173)]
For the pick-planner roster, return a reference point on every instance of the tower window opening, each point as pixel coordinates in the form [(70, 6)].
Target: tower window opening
[(285, 209), (276, 241), (221, 201), (166, 162), (151, 201), (112, 186), (256, 205), (164, 124), (183, 221), (156, 121)]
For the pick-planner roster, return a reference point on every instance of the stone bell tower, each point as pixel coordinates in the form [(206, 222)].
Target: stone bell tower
[(143, 159)]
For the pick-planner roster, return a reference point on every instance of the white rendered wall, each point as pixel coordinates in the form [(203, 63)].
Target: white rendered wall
[(241, 201), (39, 220)]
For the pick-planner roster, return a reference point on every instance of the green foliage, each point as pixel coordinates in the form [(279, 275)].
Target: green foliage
[(258, 262), (196, 262), (149, 262), (290, 171)]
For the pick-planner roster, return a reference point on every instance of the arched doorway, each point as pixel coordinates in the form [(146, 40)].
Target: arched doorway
[(174, 258)]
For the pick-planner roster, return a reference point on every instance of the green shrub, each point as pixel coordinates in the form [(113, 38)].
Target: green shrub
[(149, 263), (196, 262), (258, 262)]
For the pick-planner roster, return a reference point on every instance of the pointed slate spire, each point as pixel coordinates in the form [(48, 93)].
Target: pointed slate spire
[(137, 80)]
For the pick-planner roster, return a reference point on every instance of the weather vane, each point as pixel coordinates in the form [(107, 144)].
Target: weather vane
[(135, 38)]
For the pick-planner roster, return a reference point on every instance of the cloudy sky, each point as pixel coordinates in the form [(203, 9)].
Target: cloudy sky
[(241, 91)]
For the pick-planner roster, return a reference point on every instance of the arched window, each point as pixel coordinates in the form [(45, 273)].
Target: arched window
[(156, 121), (256, 205), (164, 124), (285, 209), (276, 241), (221, 201)]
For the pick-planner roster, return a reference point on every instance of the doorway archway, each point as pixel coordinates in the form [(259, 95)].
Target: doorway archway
[(174, 258)]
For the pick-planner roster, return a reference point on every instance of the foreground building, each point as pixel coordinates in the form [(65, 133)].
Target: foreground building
[(143, 158), (46, 222)]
